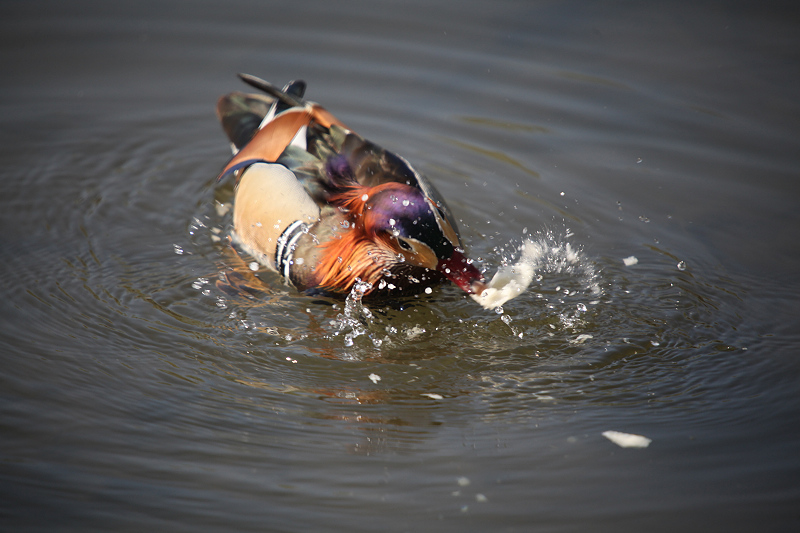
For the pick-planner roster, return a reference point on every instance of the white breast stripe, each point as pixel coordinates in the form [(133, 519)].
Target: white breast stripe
[(286, 244)]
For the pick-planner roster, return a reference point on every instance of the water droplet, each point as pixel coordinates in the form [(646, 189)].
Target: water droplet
[(681, 265), (428, 290), (361, 288), (253, 266), (405, 203)]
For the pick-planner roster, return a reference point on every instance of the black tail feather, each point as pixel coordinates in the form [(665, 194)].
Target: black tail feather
[(291, 95)]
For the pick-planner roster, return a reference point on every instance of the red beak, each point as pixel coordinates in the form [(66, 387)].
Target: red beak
[(461, 272)]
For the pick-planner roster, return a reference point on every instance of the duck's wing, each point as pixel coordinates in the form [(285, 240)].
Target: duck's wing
[(241, 114)]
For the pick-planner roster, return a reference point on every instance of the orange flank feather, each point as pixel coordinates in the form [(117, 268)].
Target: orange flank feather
[(270, 141), (323, 117)]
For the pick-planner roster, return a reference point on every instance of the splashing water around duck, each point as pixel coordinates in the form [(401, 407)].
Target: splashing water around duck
[(355, 319), (532, 261)]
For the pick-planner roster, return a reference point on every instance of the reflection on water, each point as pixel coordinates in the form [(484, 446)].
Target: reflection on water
[(152, 379)]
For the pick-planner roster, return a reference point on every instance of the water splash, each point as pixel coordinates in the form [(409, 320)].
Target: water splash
[(355, 318), (541, 254)]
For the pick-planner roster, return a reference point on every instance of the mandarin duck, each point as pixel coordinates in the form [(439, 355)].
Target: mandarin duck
[(326, 208)]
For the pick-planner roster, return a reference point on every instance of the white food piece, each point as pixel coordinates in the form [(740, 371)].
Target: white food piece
[(512, 280), (433, 396), (627, 440)]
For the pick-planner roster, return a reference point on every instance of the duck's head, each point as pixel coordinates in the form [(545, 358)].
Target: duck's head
[(400, 219)]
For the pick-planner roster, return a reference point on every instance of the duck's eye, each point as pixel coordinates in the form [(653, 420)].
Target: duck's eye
[(405, 246)]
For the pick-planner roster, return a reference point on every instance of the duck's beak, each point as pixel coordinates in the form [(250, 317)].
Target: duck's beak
[(460, 271)]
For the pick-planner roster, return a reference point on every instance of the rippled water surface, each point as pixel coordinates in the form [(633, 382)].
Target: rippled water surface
[(650, 150)]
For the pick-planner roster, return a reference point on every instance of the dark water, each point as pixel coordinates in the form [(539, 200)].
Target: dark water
[(136, 396)]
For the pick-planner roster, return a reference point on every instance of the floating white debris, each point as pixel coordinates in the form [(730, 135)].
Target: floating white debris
[(433, 396), (375, 378), (627, 440), (480, 498), (253, 266), (463, 481), (580, 339), (630, 261)]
